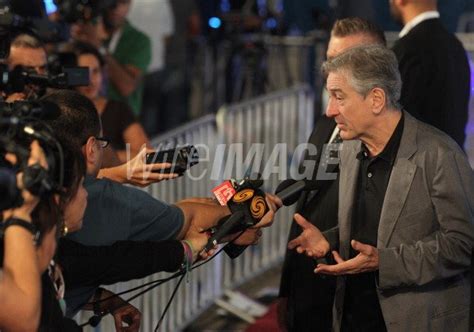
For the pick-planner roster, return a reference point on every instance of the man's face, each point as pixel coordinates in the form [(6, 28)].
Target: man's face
[(337, 45), (115, 17), (32, 59), (349, 109)]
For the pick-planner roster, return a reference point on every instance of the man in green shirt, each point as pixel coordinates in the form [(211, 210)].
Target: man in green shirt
[(126, 50)]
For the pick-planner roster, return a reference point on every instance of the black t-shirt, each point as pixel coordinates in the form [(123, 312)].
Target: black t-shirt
[(361, 305)]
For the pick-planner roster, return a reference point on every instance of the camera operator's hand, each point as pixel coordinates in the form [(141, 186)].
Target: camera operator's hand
[(16, 96), (30, 201), (137, 172)]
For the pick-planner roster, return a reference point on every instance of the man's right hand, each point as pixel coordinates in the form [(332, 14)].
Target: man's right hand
[(311, 241)]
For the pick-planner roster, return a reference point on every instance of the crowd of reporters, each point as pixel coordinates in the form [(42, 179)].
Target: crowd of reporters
[(70, 224)]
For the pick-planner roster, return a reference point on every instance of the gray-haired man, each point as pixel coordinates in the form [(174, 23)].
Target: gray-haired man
[(406, 207)]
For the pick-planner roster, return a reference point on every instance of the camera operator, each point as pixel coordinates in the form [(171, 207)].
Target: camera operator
[(20, 281), (29, 52), (127, 52)]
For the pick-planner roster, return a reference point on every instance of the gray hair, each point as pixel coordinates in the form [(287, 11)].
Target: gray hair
[(369, 67), (27, 41)]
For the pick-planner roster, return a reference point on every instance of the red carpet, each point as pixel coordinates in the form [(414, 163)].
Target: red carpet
[(266, 323)]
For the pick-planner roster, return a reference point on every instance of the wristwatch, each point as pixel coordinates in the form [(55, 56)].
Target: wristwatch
[(22, 223)]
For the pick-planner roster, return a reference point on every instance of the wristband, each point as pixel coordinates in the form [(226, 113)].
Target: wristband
[(188, 256)]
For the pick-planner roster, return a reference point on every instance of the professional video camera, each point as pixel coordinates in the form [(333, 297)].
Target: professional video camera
[(73, 11), (20, 124), (17, 79)]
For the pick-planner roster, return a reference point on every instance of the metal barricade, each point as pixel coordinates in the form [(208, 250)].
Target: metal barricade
[(282, 117), (279, 121), (249, 65)]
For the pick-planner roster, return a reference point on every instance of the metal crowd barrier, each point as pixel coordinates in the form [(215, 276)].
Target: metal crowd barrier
[(240, 68), (280, 117)]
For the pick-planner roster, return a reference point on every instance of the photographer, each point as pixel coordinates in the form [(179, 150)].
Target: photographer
[(127, 52), (29, 53), (20, 282)]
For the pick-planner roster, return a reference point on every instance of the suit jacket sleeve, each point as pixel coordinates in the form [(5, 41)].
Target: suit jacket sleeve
[(446, 252)]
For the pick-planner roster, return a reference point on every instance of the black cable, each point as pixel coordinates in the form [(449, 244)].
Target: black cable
[(169, 302), (153, 284)]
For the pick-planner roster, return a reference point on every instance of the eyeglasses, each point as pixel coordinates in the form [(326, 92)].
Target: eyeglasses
[(104, 141)]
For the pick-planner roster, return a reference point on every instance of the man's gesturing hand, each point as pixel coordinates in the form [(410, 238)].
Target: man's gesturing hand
[(311, 241), (366, 261)]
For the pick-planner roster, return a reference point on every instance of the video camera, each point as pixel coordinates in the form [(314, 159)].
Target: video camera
[(17, 79), (20, 124), (73, 11)]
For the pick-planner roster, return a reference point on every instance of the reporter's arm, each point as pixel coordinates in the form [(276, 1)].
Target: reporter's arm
[(20, 288), (137, 172), (199, 217), (124, 77)]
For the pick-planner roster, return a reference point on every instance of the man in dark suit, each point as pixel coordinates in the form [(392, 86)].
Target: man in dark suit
[(434, 68), (305, 299)]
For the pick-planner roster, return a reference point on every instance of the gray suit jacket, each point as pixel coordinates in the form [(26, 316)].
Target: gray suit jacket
[(425, 233)]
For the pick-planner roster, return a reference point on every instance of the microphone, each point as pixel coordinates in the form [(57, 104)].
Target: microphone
[(289, 191), (225, 229)]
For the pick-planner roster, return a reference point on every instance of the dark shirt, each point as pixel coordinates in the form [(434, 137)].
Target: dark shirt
[(361, 306)]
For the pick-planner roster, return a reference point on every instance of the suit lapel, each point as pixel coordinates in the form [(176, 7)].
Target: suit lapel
[(348, 182), (400, 182)]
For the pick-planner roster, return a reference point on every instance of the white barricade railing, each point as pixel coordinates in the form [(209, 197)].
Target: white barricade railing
[(281, 117)]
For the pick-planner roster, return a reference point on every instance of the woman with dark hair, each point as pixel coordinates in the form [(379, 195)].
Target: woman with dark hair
[(118, 121)]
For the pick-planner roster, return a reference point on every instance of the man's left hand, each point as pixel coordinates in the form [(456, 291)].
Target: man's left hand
[(366, 261)]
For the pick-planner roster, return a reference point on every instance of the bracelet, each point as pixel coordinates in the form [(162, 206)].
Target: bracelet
[(188, 256), (24, 224)]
